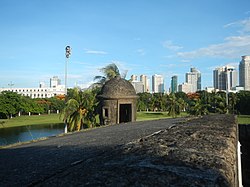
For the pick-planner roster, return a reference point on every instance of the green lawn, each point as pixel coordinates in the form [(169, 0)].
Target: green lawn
[(143, 116), (55, 118), (243, 119), (31, 120)]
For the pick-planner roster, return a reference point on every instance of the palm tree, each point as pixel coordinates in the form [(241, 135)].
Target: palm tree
[(182, 105), (109, 72), (232, 102), (173, 105), (200, 108), (80, 109)]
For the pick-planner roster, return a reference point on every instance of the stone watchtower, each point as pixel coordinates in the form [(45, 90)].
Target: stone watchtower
[(117, 102)]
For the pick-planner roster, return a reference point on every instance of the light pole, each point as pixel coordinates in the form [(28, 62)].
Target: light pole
[(67, 54), (228, 84), (11, 84)]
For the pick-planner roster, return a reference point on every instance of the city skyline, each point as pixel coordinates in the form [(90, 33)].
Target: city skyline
[(141, 37)]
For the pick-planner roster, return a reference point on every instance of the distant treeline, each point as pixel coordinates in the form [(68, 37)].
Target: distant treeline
[(13, 104), (199, 103)]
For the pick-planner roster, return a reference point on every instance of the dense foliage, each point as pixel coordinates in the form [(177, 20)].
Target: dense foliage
[(199, 103), (81, 109), (13, 104)]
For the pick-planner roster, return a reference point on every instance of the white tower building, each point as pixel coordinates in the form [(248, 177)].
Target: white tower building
[(225, 78), (194, 79), (157, 84), (244, 72), (145, 82), (55, 82)]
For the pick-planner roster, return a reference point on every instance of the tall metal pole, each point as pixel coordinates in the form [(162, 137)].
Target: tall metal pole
[(66, 69), (227, 89), (67, 54)]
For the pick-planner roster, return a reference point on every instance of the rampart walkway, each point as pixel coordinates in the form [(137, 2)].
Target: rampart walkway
[(200, 152)]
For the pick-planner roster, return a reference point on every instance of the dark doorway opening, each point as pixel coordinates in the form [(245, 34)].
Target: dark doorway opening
[(244, 137), (125, 114)]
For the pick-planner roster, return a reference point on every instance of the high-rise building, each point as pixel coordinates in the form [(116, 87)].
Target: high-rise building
[(244, 72), (174, 83), (133, 78), (157, 84), (55, 82), (138, 85), (225, 78), (194, 78), (219, 78), (185, 87), (145, 82), (232, 77)]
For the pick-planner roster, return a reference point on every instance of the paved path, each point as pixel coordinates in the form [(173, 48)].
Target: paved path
[(34, 163)]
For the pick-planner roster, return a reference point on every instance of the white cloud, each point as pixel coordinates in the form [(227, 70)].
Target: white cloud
[(244, 25), (232, 47), (141, 52), (137, 39), (169, 45), (95, 52), (185, 60)]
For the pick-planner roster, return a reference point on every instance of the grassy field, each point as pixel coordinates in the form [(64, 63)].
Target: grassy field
[(55, 118), (244, 119), (31, 120), (143, 116)]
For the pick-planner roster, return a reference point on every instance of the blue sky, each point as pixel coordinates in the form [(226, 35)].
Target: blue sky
[(141, 36)]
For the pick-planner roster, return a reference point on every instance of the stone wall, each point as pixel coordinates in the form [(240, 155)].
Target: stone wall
[(192, 152)]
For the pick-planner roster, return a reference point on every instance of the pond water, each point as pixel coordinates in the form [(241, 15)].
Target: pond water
[(26, 133)]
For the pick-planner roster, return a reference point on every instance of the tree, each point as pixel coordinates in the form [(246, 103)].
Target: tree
[(199, 108), (80, 110), (232, 102), (220, 102), (158, 101), (9, 104), (173, 105), (143, 101), (109, 72), (243, 102)]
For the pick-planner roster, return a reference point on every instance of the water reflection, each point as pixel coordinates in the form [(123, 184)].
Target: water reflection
[(27, 133)]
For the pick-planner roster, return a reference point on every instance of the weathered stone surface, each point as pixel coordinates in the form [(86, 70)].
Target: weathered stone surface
[(201, 152), (117, 88), (117, 102)]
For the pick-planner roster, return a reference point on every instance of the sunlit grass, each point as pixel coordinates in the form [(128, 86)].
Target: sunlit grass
[(55, 118), (144, 116), (31, 120), (243, 119)]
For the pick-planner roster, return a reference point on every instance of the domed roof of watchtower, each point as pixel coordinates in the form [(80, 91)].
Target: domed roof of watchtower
[(118, 88)]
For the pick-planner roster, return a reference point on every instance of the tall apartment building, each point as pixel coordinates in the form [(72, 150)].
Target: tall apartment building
[(244, 72), (145, 81), (133, 78), (194, 79), (174, 84), (185, 87), (138, 86), (193, 82), (225, 78), (55, 82), (157, 84)]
